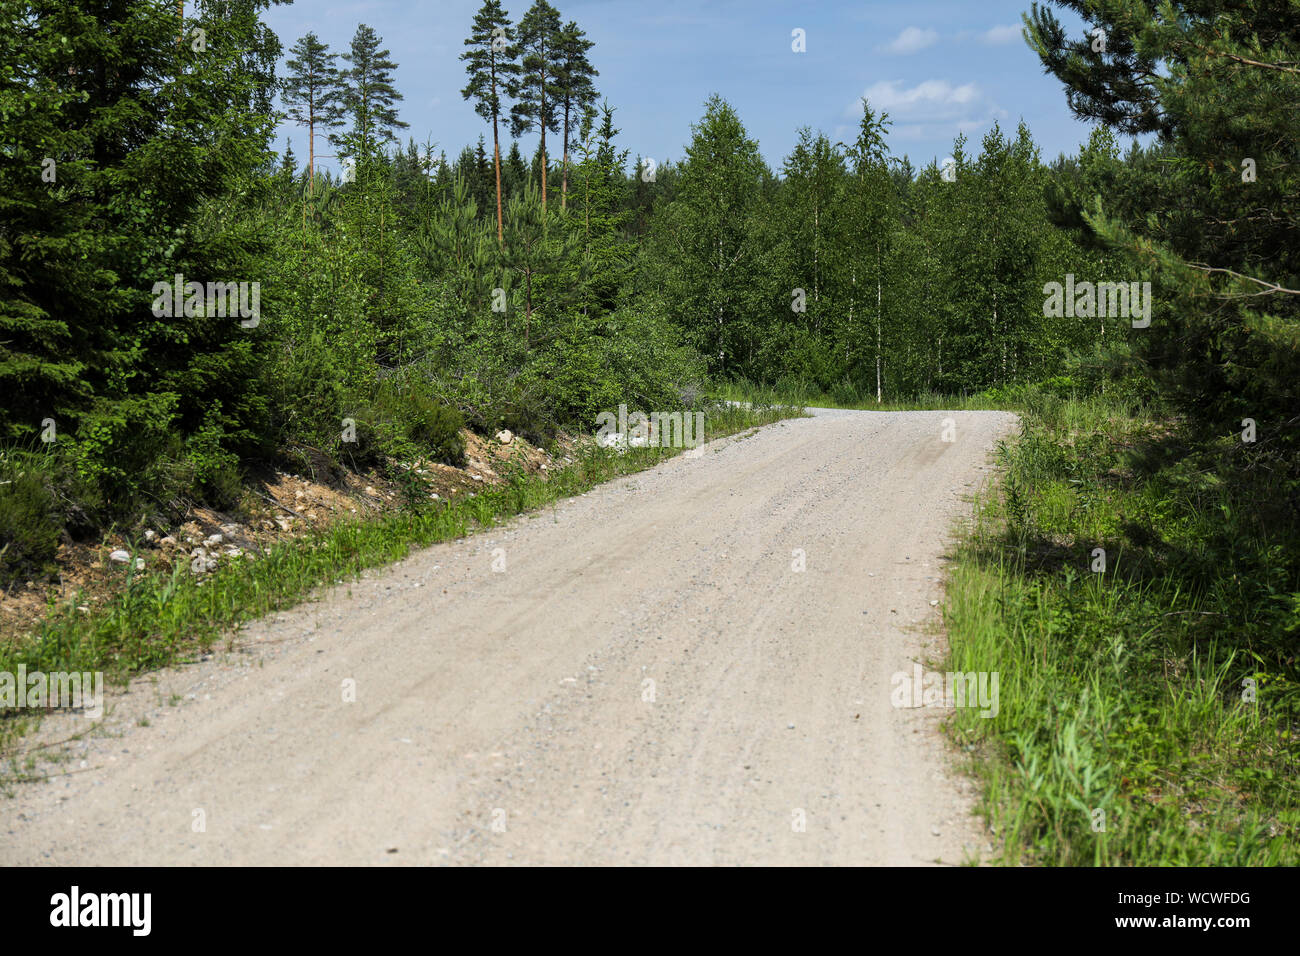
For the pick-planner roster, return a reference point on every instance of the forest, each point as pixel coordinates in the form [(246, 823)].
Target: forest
[(1138, 302)]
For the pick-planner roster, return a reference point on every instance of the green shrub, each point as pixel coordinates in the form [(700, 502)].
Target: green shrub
[(404, 420), (119, 450), (29, 521), (433, 428), (366, 440), (217, 479), (530, 421), (308, 389)]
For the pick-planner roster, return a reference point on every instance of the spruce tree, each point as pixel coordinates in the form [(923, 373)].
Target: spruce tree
[(515, 171), (599, 204), (116, 161), (483, 175)]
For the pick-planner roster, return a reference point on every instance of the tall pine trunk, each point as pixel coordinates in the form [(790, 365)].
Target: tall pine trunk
[(496, 152), (564, 178), (541, 118)]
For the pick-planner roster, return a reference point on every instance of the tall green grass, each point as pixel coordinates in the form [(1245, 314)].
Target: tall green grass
[(1125, 734)]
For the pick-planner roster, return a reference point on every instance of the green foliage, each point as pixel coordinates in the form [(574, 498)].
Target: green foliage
[(30, 525), (415, 424), (1223, 342), (1123, 690), (493, 73), (707, 243), (107, 192), (574, 76), (313, 91), (851, 273), (395, 312)]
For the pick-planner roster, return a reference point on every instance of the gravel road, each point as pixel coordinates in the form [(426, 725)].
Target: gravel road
[(639, 675)]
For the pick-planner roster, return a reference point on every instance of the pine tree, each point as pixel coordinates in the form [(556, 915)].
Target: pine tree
[(1226, 264), (574, 80), (312, 92), (493, 71), (537, 91), (458, 246), (369, 95), (538, 246)]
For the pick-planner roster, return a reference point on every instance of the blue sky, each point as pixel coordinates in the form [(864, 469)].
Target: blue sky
[(938, 67)]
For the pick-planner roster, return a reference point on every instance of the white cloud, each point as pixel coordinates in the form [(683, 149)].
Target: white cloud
[(930, 109), (929, 100), (999, 36), (911, 40)]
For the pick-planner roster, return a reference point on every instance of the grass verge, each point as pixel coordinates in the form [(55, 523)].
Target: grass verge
[(1148, 711), (794, 393)]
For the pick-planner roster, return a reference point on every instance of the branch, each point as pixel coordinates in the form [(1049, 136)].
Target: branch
[(1241, 59), (278, 505), (1269, 287)]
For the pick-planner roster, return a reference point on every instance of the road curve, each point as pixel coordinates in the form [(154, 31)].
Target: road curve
[(644, 678)]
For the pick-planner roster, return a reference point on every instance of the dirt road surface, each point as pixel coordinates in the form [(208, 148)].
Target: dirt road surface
[(639, 675)]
